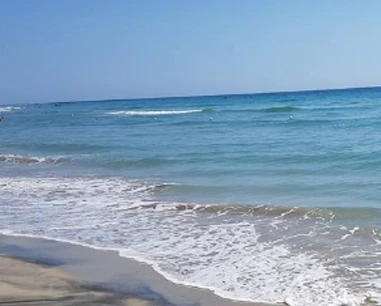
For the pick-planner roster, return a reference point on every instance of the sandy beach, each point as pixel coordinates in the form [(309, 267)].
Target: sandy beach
[(25, 283), (36, 271)]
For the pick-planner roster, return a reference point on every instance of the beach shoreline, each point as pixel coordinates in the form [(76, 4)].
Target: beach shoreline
[(84, 275), (28, 283)]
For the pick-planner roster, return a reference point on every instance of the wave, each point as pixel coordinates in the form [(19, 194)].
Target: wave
[(288, 108), (288, 100), (12, 158), (155, 112), (199, 245), (132, 254), (144, 162), (55, 149), (260, 210), (312, 108), (275, 109), (280, 109), (9, 108), (65, 147)]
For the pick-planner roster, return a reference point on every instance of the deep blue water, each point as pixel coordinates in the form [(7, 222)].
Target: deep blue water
[(319, 151)]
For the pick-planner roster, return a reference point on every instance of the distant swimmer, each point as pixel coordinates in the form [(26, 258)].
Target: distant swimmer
[(210, 118), (154, 118), (1, 118), (291, 117)]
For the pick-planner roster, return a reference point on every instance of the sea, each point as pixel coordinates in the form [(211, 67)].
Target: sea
[(270, 197)]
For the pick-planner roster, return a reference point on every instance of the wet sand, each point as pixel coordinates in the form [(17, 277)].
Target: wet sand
[(36, 271), (25, 283)]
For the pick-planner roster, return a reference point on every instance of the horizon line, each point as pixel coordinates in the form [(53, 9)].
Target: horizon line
[(206, 95)]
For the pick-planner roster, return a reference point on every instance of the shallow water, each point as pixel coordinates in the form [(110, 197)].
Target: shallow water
[(266, 197)]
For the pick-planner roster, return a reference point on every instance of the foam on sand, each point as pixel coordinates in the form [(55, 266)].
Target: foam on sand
[(252, 257)]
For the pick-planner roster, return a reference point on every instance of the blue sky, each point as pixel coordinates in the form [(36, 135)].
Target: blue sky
[(91, 49)]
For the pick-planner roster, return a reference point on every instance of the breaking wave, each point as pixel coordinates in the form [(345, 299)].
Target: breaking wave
[(155, 112), (9, 108), (12, 158), (273, 211), (246, 253), (280, 109)]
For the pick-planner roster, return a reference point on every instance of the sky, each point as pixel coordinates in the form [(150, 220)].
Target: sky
[(67, 50)]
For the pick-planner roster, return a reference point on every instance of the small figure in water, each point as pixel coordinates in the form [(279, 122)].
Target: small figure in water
[(291, 117), (1, 118)]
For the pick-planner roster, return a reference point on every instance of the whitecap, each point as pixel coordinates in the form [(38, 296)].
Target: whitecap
[(12, 158), (155, 112), (9, 108)]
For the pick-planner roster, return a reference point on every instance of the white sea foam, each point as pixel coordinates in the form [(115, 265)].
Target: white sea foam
[(8, 108), (229, 260), (155, 112), (12, 158), (243, 257)]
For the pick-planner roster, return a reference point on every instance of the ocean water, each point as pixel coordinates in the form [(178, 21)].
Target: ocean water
[(262, 197)]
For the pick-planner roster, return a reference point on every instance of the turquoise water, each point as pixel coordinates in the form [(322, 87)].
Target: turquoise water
[(290, 179)]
